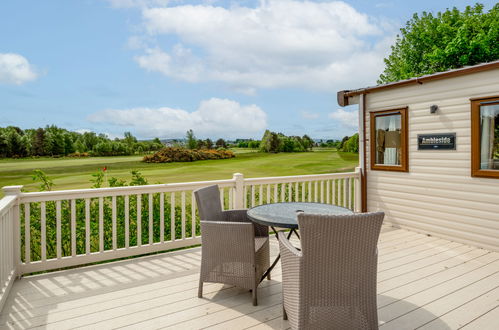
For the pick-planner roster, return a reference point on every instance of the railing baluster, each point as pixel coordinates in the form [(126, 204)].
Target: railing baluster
[(275, 192), (333, 190), (268, 194), (309, 191), (73, 227), (245, 197), (260, 195), (290, 192), (101, 224), (172, 215), (283, 192), (252, 195), (328, 194), (27, 233), (162, 217), (296, 191), (344, 200), (2, 249), (43, 224), (87, 226), (127, 221), (58, 229), (113, 216), (193, 211), (231, 201), (350, 193), (139, 219), (322, 191), (151, 237), (316, 191), (183, 213), (303, 191), (222, 198)]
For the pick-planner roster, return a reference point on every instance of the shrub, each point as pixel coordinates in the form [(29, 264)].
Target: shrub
[(173, 154)]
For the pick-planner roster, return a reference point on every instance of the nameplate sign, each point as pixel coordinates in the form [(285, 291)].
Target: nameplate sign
[(444, 141)]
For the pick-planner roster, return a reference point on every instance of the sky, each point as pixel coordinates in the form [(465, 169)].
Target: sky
[(226, 69)]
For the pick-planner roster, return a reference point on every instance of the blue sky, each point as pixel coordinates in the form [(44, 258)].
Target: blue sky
[(223, 68)]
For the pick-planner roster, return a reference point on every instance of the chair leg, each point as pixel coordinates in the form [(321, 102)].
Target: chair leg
[(253, 292), (284, 314), (200, 289)]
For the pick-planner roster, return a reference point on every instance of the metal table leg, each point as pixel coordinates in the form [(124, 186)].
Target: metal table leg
[(279, 255)]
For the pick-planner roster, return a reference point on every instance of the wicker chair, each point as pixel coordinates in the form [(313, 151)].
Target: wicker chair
[(234, 250), (331, 282)]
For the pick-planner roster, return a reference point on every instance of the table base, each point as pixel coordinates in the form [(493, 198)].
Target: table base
[(279, 255)]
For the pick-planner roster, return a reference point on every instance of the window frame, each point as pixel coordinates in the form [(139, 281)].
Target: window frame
[(404, 140), (476, 171)]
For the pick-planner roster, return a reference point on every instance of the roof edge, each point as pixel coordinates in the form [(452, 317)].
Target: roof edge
[(345, 94)]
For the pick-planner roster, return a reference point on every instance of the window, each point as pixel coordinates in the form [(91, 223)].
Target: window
[(389, 140), (485, 137)]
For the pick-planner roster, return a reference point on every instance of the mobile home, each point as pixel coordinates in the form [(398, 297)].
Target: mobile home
[(429, 152)]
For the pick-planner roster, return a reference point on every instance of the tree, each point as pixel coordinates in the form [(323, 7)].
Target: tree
[(345, 139), (274, 142), (129, 139), (352, 144), (448, 40), (308, 143), (200, 144), (38, 142), (221, 143), (208, 143), (191, 140)]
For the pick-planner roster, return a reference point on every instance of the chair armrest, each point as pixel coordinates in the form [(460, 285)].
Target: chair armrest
[(287, 248), (291, 264), (242, 216), (235, 216), (228, 238)]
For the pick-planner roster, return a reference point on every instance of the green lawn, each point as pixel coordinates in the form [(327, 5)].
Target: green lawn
[(68, 173)]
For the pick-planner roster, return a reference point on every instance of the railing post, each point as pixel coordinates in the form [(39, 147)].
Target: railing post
[(16, 234), (358, 190), (239, 191)]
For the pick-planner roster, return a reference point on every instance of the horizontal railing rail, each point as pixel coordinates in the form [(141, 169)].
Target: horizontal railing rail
[(56, 229)]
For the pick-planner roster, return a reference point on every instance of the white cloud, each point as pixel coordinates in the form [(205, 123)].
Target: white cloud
[(213, 118), (280, 43), (309, 115), (350, 119), (83, 130), (15, 69)]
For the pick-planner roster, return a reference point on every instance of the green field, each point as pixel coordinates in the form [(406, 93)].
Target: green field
[(69, 173)]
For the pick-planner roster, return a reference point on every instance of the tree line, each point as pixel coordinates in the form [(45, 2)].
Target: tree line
[(278, 142), (56, 142)]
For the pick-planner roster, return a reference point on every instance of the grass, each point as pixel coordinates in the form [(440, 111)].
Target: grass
[(69, 173)]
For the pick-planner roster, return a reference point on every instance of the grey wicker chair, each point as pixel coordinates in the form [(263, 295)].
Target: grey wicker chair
[(234, 250), (331, 282)]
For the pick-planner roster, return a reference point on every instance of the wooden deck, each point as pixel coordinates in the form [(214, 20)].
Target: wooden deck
[(423, 282)]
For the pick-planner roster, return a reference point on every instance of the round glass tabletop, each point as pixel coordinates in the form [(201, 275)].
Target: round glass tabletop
[(284, 215)]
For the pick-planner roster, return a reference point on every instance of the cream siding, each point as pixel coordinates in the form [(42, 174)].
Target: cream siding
[(438, 196)]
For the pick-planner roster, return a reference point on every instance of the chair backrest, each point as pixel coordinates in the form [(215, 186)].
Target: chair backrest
[(208, 201), (340, 257)]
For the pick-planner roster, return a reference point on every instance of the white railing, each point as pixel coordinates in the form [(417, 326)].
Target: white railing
[(56, 229), (9, 213)]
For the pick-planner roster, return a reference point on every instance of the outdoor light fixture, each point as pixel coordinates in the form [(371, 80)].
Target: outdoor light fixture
[(433, 108)]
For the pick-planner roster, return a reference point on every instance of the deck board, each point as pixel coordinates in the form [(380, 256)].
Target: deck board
[(423, 281)]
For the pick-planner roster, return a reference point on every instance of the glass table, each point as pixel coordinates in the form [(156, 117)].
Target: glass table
[(284, 215)]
